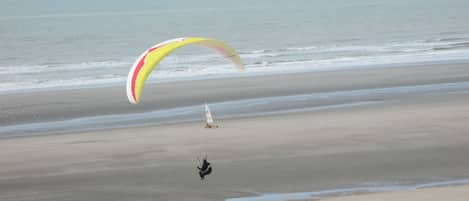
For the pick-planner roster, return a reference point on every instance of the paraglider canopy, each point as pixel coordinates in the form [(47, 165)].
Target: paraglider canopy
[(149, 59)]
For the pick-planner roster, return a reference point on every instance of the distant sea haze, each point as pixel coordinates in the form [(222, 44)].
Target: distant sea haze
[(86, 43)]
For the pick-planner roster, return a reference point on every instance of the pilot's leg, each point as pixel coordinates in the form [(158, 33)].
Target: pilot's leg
[(201, 175)]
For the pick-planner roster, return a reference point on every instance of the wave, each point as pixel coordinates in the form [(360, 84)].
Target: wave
[(193, 64), (462, 45), (448, 39), (262, 51), (53, 67), (363, 50)]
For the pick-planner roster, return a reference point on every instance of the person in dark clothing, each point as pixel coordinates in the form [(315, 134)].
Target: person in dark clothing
[(205, 170)]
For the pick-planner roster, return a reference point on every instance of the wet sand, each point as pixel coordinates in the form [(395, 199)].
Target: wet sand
[(454, 193), (408, 140), (65, 104)]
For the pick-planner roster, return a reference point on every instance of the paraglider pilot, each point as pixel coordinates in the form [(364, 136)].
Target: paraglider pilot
[(205, 170)]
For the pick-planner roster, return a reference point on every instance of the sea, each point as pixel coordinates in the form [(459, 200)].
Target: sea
[(52, 44)]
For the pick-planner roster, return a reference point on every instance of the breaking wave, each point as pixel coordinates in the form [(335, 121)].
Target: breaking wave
[(279, 60)]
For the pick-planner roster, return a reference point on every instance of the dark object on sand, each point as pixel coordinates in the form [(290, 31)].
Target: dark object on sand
[(205, 170), (210, 126)]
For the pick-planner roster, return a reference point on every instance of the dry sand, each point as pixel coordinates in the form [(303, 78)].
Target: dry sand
[(412, 139)]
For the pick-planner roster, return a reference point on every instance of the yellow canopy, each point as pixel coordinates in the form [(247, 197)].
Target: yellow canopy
[(147, 62)]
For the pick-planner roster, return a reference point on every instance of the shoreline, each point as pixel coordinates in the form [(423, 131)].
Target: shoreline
[(354, 191), (237, 75), (50, 106)]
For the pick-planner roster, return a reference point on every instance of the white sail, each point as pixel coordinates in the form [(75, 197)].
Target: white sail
[(208, 115)]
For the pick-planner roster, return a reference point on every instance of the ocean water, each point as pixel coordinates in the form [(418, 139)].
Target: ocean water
[(87, 43)]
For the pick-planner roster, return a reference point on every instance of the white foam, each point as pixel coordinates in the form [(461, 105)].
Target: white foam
[(262, 61)]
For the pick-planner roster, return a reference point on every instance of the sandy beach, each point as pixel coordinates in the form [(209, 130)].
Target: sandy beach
[(407, 137), (312, 100)]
